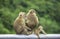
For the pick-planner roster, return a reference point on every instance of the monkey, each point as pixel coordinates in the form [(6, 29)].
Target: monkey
[(38, 30), (32, 22), (31, 19), (19, 24), (22, 27)]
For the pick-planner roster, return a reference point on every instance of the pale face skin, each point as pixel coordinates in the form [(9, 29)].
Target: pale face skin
[(22, 14)]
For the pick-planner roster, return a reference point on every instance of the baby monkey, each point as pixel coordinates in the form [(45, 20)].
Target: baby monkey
[(38, 30), (19, 24)]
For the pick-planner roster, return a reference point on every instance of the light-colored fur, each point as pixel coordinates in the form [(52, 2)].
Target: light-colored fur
[(19, 24)]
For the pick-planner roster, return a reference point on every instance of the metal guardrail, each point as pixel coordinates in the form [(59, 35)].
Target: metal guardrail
[(32, 36)]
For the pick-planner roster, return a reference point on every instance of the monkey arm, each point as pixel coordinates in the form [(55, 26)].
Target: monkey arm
[(27, 28), (43, 31)]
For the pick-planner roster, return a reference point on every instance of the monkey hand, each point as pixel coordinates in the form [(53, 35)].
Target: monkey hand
[(27, 28)]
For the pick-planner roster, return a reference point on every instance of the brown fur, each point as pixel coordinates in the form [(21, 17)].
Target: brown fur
[(32, 19)]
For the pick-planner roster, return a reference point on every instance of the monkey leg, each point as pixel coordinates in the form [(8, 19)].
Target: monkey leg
[(37, 32), (29, 32), (26, 32), (37, 35)]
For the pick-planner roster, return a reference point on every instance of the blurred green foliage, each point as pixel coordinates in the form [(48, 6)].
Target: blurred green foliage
[(48, 12)]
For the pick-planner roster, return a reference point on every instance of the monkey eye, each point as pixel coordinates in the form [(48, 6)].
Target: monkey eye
[(31, 12), (20, 15)]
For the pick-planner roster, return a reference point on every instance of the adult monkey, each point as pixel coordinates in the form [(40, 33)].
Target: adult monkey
[(33, 22), (19, 24), (32, 19)]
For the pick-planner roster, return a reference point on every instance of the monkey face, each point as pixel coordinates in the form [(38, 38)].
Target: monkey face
[(22, 14), (40, 27), (32, 12)]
